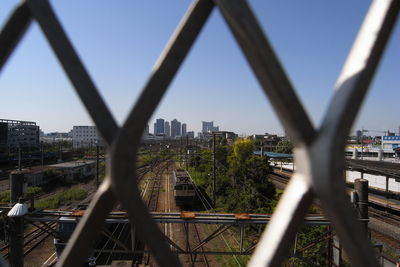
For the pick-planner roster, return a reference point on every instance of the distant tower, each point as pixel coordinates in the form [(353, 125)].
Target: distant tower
[(179, 129), (167, 129), (208, 126), (155, 129), (184, 129), (175, 126), (160, 126)]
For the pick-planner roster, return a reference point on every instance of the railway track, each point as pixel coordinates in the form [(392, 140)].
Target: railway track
[(383, 216), (31, 240), (106, 251), (204, 256), (152, 189)]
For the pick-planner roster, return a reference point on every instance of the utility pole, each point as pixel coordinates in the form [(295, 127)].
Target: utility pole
[(214, 170), (41, 153), (19, 158), (262, 148), (186, 152), (59, 153), (362, 143), (180, 150)]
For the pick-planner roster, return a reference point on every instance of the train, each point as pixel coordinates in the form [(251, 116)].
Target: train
[(184, 189)]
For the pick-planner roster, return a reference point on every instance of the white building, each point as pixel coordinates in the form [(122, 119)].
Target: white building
[(85, 136), (389, 143)]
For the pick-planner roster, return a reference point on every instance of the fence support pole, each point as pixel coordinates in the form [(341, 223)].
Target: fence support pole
[(16, 246)]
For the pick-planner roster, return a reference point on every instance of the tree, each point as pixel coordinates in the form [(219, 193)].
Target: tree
[(243, 149), (284, 146)]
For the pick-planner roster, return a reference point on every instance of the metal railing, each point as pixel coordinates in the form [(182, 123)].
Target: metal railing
[(318, 176)]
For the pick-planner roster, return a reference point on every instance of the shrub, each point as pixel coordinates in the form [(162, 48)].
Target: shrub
[(61, 198), (5, 196)]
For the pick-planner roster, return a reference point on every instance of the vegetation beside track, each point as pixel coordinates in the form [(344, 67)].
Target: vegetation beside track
[(61, 198), (242, 186)]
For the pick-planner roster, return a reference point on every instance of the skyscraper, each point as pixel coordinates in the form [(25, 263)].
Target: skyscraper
[(175, 128), (183, 129), (208, 126), (167, 129), (179, 129), (159, 126)]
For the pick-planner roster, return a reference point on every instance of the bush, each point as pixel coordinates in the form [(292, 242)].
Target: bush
[(5, 196), (61, 198), (34, 190)]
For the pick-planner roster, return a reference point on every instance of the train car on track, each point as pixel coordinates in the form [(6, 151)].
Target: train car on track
[(184, 191)]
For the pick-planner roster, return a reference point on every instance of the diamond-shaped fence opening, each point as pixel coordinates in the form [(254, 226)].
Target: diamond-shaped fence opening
[(317, 176)]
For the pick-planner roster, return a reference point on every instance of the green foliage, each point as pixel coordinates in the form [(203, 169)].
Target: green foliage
[(61, 198), (241, 177), (314, 253), (284, 146), (5, 196), (34, 190), (102, 170), (243, 149)]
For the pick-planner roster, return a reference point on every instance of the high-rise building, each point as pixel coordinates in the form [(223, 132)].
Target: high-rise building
[(155, 128), (190, 134), (179, 129), (175, 128), (167, 129), (159, 128), (183, 129), (208, 126), (19, 133)]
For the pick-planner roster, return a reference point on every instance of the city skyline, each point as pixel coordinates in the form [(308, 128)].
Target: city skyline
[(214, 83)]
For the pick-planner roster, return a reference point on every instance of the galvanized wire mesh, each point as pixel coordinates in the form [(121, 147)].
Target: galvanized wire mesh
[(318, 176)]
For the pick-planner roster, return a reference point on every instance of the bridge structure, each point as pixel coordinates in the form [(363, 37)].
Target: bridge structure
[(317, 178)]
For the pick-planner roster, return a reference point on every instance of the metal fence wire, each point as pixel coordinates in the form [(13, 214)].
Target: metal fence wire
[(318, 175)]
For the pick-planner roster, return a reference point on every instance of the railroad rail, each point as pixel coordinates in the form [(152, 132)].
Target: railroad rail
[(386, 204), (32, 239)]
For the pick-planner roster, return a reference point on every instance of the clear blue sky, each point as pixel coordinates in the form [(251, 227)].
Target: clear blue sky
[(119, 41)]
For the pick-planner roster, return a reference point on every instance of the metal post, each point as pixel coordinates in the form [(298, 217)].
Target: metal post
[(214, 170), (361, 188), (362, 144), (387, 186), (97, 166), (16, 245), (180, 150), (186, 152), (59, 154), (41, 154), (19, 158), (16, 186)]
